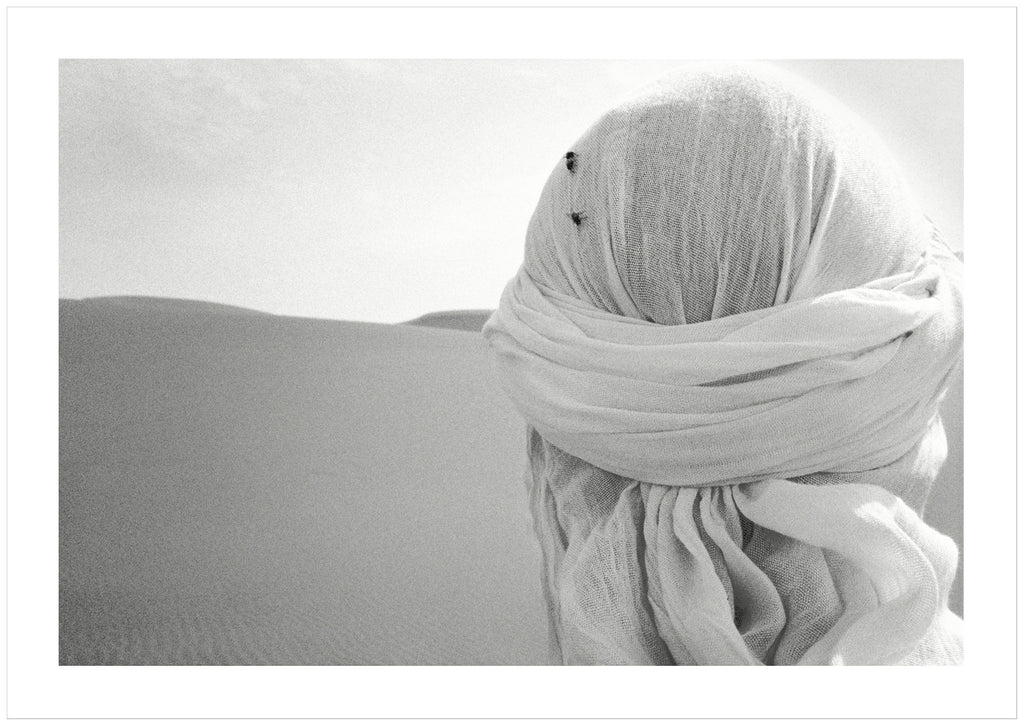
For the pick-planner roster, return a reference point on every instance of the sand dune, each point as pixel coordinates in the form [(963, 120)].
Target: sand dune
[(156, 304), (262, 489), (250, 488), (454, 319)]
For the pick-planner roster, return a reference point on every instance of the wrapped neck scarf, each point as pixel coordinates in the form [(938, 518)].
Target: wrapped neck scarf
[(730, 337)]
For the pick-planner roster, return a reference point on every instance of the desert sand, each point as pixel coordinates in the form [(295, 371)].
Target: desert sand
[(245, 488), (455, 319)]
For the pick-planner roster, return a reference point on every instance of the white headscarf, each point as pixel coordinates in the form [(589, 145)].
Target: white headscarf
[(727, 283)]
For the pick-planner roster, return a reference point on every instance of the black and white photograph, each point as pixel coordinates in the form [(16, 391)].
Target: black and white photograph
[(723, 364), (424, 360)]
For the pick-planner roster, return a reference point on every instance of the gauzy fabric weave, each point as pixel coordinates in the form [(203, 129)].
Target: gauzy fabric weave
[(730, 337)]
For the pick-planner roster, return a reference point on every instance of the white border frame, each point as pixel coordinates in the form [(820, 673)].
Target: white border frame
[(38, 37)]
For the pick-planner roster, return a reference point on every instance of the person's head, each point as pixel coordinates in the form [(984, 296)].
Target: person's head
[(722, 192)]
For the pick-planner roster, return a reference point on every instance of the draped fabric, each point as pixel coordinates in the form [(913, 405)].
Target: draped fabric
[(730, 337)]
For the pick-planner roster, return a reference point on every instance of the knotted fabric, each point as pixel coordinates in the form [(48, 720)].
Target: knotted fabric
[(730, 337)]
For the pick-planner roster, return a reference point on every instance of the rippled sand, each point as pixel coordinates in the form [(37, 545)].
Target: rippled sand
[(240, 488)]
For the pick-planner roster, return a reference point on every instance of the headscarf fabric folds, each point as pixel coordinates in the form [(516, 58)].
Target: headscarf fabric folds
[(730, 337)]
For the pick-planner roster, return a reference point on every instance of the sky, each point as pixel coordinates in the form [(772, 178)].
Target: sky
[(378, 190)]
